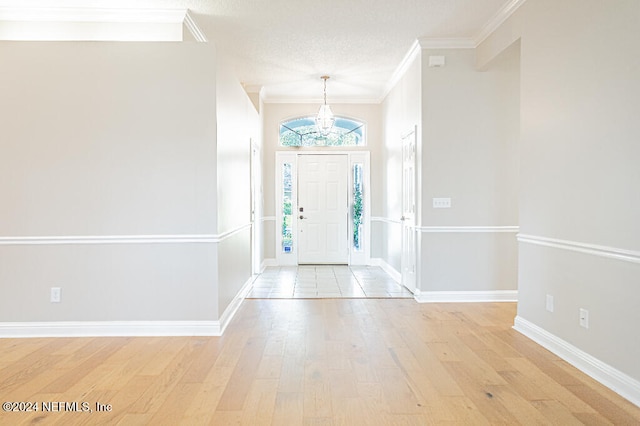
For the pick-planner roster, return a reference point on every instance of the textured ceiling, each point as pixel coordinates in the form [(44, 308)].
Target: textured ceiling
[(284, 46)]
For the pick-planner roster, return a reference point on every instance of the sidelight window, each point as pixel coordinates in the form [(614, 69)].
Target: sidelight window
[(287, 210), (357, 213)]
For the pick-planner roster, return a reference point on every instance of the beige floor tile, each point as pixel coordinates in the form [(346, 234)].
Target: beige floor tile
[(326, 281)]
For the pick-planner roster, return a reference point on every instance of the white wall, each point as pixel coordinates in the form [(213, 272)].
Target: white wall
[(401, 114), (580, 95), (470, 122), (107, 140), (238, 125), (125, 172)]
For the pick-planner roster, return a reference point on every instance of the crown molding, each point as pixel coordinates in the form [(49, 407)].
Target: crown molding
[(104, 16), (252, 88), (402, 68), (336, 101), (190, 24), (498, 19), (472, 42), (77, 14), (451, 43)]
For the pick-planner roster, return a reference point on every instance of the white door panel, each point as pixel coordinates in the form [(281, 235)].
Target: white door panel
[(408, 211), (322, 209)]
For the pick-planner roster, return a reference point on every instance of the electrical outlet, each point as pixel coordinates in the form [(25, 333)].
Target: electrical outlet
[(549, 303), (442, 203), (55, 294), (584, 318)]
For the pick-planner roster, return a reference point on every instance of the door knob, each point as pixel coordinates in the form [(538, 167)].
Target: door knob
[(302, 217)]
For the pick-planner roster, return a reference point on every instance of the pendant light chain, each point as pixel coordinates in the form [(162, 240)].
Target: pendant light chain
[(325, 78)]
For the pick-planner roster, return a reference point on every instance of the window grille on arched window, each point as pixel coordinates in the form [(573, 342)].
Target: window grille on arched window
[(303, 132)]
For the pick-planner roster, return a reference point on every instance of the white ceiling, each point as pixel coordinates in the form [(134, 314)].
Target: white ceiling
[(284, 46)]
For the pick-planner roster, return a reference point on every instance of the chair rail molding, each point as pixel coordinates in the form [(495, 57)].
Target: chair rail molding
[(579, 247), (468, 229), (125, 239)]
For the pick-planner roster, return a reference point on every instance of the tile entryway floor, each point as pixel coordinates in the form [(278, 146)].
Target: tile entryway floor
[(326, 281)]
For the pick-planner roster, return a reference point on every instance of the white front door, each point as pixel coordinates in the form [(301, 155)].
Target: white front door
[(409, 211), (323, 208)]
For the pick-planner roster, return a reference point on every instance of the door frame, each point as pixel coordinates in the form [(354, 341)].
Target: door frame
[(361, 257), (256, 197)]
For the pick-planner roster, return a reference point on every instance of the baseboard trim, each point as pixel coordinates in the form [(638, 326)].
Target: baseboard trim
[(10, 330), (393, 273), (267, 263), (617, 381), (466, 296), (109, 329), (233, 307)]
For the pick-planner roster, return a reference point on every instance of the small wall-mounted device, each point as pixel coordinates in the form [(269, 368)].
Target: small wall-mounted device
[(436, 61)]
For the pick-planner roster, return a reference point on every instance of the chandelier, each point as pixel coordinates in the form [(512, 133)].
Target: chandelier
[(325, 118)]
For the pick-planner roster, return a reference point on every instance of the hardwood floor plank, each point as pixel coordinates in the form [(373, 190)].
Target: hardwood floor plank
[(517, 405), (13, 350), (289, 408), (315, 362), (244, 373), (31, 366), (206, 356), (600, 402), (556, 413), (475, 386), (84, 362), (260, 403), (551, 388), (202, 408), (172, 410), (458, 410)]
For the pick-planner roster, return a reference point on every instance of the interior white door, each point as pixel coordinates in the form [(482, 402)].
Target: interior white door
[(256, 196), (409, 211), (322, 209)]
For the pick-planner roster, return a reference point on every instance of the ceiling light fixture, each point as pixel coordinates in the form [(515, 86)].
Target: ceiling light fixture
[(325, 118)]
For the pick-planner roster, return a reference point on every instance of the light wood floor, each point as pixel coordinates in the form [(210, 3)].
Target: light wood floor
[(314, 362)]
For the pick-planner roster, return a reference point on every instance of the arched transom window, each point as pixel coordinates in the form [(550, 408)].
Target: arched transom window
[(303, 132)]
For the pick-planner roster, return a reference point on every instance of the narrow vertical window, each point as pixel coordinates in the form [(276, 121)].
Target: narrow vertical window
[(287, 236), (358, 206)]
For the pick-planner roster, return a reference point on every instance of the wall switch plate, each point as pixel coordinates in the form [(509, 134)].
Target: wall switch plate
[(55, 294), (549, 303), (584, 318), (442, 203)]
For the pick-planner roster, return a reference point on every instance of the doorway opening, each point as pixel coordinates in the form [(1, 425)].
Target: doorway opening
[(323, 208)]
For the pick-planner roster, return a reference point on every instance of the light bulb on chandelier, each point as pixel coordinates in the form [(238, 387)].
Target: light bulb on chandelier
[(325, 118)]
